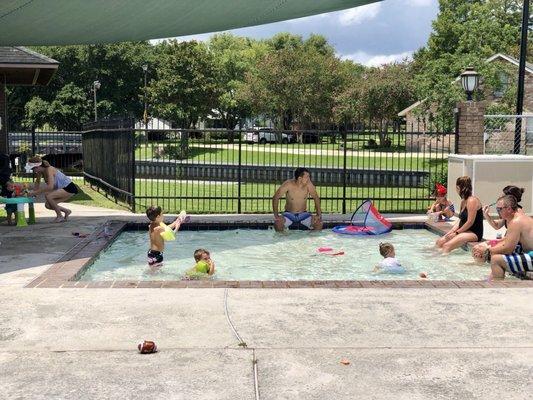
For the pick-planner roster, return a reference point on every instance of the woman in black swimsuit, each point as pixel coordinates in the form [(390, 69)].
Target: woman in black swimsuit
[(469, 228)]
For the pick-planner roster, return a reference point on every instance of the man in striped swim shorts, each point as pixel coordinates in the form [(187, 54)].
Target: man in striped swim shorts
[(512, 254)]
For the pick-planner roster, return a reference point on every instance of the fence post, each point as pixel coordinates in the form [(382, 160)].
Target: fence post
[(239, 209), (456, 133), (344, 145), (521, 76), (4, 135), (471, 127), (134, 168), (33, 149)]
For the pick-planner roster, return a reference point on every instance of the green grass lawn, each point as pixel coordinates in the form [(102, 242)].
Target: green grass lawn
[(88, 196), (221, 197), (198, 197), (289, 156)]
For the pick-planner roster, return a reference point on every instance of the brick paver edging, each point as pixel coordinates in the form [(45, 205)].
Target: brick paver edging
[(65, 272)]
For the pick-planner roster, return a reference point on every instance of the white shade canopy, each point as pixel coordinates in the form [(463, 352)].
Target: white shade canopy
[(62, 22)]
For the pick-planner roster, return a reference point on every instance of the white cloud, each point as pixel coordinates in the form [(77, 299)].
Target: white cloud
[(355, 16), (419, 3), (373, 60), (310, 19)]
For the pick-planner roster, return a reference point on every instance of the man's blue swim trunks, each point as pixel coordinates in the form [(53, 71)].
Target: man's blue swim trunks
[(298, 221)]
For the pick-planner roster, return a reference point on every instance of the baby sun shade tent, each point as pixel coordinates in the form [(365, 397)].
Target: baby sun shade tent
[(366, 220)]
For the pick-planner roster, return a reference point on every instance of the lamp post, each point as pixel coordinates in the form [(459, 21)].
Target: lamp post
[(145, 115), (521, 78), (470, 81), (96, 86)]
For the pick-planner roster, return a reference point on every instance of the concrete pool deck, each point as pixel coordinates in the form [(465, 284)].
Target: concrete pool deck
[(401, 343)]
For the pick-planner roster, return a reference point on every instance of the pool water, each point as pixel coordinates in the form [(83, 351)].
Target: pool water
[(251, 254)]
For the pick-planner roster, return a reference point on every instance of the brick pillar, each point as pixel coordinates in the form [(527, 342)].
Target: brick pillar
[(3, 121), (471, 126)]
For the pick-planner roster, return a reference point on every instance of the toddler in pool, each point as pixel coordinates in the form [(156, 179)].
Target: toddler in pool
[(204, 265), (389, 264)]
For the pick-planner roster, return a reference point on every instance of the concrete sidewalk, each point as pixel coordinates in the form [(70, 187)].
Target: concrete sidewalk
[(400, 343)]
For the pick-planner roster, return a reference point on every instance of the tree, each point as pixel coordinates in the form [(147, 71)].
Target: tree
[(37, 112), (70, 109), (383, 92), (116, 66), (295, 80), (465, 34), (320, 44), (285, 41), (348, 101), (185, 88), (233, 58)]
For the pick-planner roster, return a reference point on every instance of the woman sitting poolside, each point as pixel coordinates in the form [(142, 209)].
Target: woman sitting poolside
[(469, 227)]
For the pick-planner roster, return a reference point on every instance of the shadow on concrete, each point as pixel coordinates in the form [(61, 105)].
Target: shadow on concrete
[(46, 242)]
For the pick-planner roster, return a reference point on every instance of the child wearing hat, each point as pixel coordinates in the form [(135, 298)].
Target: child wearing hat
[(442, 205)]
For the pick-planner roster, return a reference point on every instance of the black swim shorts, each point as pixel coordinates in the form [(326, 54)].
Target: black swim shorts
[(154, 258)]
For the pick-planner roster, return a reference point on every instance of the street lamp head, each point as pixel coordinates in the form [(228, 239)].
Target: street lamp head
[(470, 81), (97, 85), (145, 67)]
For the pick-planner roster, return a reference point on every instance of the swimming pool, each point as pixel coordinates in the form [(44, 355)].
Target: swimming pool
[(256, 254)]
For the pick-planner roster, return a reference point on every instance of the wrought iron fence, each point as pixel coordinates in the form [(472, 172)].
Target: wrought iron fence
[(508, 134), (108, 155), (222, 171), (62, 149)]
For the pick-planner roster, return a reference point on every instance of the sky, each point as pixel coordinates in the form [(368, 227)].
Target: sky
[(372, 35)]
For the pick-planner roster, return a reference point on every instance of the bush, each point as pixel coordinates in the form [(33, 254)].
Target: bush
[(174, 152), (386, 143), (371, 144), (223, 135)]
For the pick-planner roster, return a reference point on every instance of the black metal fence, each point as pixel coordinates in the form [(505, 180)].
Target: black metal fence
[(62, 149), (500, 134), (109, 158), (220, 171)]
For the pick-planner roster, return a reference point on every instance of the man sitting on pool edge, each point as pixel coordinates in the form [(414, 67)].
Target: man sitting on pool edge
[(512, 253), (297, 191)]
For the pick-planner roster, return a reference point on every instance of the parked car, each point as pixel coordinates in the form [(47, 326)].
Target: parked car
[(266, 135)]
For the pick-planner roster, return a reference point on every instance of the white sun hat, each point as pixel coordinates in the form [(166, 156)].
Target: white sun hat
[(29, 166)]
